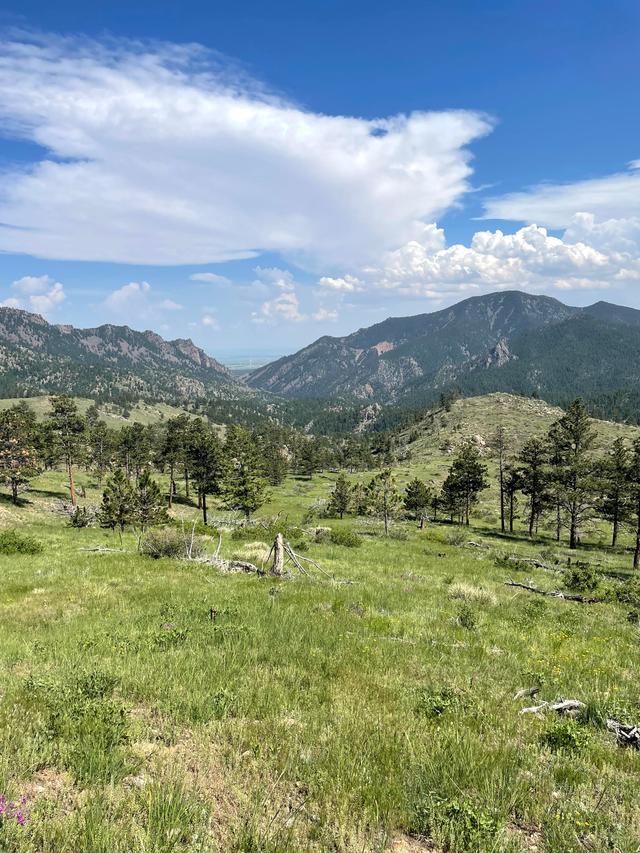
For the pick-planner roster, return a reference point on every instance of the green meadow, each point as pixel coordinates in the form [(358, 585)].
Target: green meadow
[(162, 705)]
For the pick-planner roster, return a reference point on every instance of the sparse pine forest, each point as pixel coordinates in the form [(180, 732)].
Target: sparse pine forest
[(258, 638)]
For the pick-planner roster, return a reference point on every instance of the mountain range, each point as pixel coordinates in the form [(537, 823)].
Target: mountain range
[(108, 362), (507, 341), (501, 342)]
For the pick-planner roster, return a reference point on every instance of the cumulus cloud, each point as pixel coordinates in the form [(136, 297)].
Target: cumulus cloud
[(155, 156), (41, 294), (285, 307), (210, 278), (209, 321), (134, 303), (325, 314), (529, 259)]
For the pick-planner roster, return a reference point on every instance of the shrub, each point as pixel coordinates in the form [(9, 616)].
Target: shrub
[(581, 577), (169, 542), (12, 542), (467, 617), (468, 592), (433, 703), (345, 537), (460, 823), (511, 563), (82, 516), (565, 736), (456, 537), (629, 593)]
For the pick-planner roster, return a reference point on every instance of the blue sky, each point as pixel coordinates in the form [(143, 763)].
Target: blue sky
[(255, 175)]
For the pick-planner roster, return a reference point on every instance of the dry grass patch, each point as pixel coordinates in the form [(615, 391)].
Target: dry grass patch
[(468, 592)]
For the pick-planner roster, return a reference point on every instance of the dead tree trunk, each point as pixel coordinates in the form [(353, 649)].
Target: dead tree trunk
[(277, 567)]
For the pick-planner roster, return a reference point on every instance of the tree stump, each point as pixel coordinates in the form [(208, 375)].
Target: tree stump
[(277, 567)]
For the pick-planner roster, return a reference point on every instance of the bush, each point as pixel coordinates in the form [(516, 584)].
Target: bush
[(511, 563), (433, 703), (345, 537), (581, 577), (467, 617), (82, 516), (565, 736), (629, 593), (169, 542), (12, 542), (462, 824), (456, 537)]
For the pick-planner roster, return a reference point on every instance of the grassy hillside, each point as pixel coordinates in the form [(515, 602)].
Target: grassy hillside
[(143, 413), (371, 711)]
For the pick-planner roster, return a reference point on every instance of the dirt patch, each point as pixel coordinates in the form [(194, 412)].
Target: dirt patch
[(528, 835), (401, 843)]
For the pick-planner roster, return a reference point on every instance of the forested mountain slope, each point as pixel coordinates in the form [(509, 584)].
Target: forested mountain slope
[(108, 362)]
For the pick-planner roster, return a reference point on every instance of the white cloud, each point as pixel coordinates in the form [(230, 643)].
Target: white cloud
[(155, 157), (210, 278), (555, 205), (529, 259), (323, 314), (41, 294), (210, 321), (285, 307), (346, 284), (131, 298), (134, 303)]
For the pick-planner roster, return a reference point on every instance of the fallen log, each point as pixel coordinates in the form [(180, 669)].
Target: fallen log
[(566, 596), (626, 735), (562, 706)]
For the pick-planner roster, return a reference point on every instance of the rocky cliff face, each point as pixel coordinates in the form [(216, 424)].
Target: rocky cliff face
[(37, 357)]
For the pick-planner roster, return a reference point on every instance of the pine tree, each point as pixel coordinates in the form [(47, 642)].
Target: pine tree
[(534, 478), (18, 460), (383, 497), (68, 429), (417, 499), (118, 507), (512, 484), (574, 437), (359, 499), (614, 485), (466, 478), (340, 497), (150, 506), (172, 451), (499, 444), (633, 479), (101, 447), (243, 486), (205, 461)]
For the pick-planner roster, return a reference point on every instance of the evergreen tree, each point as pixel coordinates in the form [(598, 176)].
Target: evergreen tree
[(205, 462), (307, 458), (150, 506), (172, 451), (340, 497), (575, 472), (534, 478), (467, 477), (18, 460), (633, 479), (101, 442), (499, 445), (118, 507), (512, 484), (68, 430), (383, 497), (614, 485), (417, 499), (243, 486), (359, 499)]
